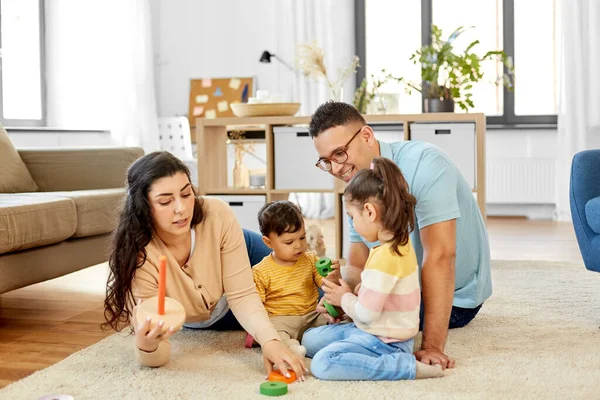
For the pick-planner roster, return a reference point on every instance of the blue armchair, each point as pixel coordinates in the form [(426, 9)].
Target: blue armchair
[(585, 205)]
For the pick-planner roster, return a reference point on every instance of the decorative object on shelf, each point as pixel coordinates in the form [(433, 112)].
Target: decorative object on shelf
[(448, 76), (310, 61), (265, 109), (315, 241), (258, 178), (213, 97), (241, 173), (368, 92)]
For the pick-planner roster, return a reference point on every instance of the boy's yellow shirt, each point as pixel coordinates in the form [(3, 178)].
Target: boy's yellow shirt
[(288, 290)]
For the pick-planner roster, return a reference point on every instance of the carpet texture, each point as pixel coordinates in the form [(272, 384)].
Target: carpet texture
[(537, 337)]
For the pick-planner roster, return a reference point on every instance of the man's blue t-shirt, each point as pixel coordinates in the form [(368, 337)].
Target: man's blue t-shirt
[(443, 194)]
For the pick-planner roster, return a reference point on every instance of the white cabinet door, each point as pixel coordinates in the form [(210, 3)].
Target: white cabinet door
[(295, 158), (245, 209), (456, 139)]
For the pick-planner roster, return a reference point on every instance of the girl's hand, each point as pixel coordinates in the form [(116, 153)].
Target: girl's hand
[(277, 353), (333, 293), (147, 339)]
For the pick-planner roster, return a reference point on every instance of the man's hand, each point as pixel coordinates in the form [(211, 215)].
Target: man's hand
[(434, 356), (334, 292)]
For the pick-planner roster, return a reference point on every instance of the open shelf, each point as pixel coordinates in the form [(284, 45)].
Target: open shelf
[(211, 136)]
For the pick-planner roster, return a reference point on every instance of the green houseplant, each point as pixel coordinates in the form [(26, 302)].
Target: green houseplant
[(448, 75)]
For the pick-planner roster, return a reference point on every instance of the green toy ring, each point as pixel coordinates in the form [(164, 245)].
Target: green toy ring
[(273, 388), (331, 310)]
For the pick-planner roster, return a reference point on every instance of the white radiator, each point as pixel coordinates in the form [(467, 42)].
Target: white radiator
[(520, 181)]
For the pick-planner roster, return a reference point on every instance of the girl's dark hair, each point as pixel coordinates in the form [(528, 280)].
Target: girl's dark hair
[(135, 231), (385, 184), (280, 217)]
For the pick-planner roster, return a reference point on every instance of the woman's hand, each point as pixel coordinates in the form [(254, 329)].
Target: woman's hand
[(334, 292), (147, 339), (276, 353)]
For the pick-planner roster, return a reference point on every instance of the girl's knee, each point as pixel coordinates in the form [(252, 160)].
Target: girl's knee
[(320, 365)]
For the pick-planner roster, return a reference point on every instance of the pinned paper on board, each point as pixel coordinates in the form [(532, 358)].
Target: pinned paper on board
[(234, 83), (198, 110), (216, 95), (222, 106)]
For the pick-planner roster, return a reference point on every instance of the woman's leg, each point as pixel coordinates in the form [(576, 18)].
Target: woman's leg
[(257, 250), (362, 356)]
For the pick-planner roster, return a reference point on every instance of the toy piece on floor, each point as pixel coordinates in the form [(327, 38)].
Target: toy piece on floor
[(324, 268), (162, 308), (273, 388), (277, 376), (315, 241)]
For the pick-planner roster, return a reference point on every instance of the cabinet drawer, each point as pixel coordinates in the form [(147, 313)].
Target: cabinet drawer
[(245, 209), (295, 158), (456, 140)]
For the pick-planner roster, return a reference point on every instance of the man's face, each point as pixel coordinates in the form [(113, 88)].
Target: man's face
[(361, 150)]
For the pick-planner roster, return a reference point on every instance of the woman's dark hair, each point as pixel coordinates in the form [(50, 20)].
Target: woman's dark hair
[(333, 113), (135, 230), (385, 184), (280, 217)]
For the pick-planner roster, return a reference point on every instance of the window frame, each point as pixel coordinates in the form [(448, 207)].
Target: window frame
[(508, 118), (29, 122)]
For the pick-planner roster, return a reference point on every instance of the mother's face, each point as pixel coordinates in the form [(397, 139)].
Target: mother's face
[(172, 204), (360, 150)]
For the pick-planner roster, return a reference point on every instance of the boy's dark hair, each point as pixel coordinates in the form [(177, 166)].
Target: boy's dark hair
[(386, 184), (333, 113), (280, 217)]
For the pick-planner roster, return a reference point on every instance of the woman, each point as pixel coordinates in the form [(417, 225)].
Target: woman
[(206, 259)]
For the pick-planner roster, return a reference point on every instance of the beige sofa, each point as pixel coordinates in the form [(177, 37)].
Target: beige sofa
[(59, 218)]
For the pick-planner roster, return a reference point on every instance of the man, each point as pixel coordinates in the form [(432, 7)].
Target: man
[(450, 237)]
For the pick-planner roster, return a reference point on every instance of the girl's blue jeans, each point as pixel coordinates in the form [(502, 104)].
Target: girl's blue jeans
[(345, 352)]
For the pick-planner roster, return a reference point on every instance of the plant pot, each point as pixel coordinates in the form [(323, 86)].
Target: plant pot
[(437, 105)]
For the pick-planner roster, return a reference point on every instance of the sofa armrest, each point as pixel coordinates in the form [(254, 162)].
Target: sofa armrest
[(79, 168)]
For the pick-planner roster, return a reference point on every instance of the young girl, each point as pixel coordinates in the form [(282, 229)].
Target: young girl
[(378, 344)]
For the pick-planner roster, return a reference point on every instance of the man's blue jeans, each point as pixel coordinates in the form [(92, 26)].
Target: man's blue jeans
[(345, 352)]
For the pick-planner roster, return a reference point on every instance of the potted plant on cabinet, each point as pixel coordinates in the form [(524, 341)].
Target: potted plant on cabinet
[(448, 76)]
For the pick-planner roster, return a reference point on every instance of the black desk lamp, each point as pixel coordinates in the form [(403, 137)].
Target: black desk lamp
[(266, 58)]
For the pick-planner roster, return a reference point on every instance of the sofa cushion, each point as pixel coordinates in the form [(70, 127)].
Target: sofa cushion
[(592, 214), (14, 176), (28, 220), (96, 209)]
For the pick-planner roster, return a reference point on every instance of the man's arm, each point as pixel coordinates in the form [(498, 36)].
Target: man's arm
[(437, 281), (359, 252)]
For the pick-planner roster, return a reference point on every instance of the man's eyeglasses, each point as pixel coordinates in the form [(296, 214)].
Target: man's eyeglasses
[(338, 156)]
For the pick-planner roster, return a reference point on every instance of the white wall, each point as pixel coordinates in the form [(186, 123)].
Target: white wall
[(197, 39)]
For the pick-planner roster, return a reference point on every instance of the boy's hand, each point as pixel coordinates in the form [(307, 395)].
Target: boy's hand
[(321, 309), (334, 293), (335, 275)]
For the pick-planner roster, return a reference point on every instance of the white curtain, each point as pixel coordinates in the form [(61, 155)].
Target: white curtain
[(579, 114), (331, 24), (100, 65)]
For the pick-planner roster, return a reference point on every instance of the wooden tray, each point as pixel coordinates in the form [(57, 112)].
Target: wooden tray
[(264, 109)]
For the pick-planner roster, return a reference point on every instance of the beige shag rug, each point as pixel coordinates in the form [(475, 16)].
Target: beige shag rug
[(537, 337)]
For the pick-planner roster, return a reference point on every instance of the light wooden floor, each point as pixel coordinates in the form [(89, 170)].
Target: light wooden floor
[(44, 323)]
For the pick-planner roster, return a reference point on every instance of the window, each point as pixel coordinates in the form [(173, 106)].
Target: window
[(389, 31), (21, 81)]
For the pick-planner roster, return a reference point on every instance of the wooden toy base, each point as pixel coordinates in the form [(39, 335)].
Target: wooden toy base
[(174, 313)]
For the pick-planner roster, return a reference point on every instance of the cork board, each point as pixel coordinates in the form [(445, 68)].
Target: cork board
[(210, 97)]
